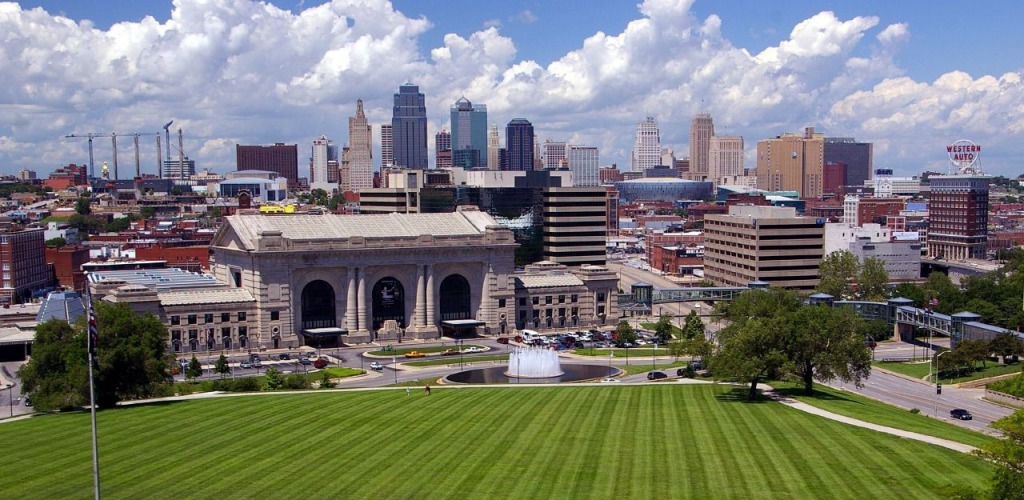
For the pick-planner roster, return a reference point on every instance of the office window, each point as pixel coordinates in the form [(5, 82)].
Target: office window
[(175, 320), (501, 303), (275, 315), (241, 316), (192, 319), (208, 318), (225, 317)]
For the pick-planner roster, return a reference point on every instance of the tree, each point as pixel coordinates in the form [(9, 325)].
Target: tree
[(147, 212), (751, 351), (222, 367), (194, 369), (82, 205), (272, 380), (624, 332), (693, 327), (837, 271), (875, 329), (1005, 345), (872, 280), (913, 292), (325, 380), (56, 374), (1008, 456), (56, 242), (826, 344), (663, 328), (129, 359)]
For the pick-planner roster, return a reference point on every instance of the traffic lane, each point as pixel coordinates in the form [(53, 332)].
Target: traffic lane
[(909, 394)]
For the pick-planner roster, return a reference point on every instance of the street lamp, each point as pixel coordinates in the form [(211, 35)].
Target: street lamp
[(394, 366), (461, 343), (935, 408), (10, 397)]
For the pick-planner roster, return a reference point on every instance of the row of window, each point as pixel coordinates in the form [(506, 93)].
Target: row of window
[(225, 317), (548, 299)]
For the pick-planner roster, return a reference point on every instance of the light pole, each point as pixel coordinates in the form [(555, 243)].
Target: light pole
[(461, 343), (654, 354), (10, 397), (394, 366), (935, 408)]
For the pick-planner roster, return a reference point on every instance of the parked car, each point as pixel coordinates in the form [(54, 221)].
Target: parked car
[(245, 364), (28, 401), (961, 414), (256, 363), (502, 340), (253, 356), (414, 354), (320, 363), (376, 366), (305, 361), (656, 375), (610, 380), (284, 356)]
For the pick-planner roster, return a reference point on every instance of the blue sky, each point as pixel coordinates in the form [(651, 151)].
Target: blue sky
[(909, 76)]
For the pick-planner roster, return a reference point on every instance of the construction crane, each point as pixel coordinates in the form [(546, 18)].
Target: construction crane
[(92, 168), (167, 134), (136, 135)]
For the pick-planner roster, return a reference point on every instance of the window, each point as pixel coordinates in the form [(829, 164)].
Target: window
[(561, 299), (241, 317), (574, 298), (225, 332), (600, 296), (501, 303), (237, 278), (547, 299), (522, 301), (275, 315), (225, 317), (536, 300), (208, 318), (192, 319), (175, 320)]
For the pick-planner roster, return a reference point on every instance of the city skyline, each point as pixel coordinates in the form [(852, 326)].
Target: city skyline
[(883, 74)]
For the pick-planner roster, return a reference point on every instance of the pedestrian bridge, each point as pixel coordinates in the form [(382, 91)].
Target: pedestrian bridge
[(898, 312)]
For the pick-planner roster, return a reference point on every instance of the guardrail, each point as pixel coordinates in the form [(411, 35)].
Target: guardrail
[(1004, 398)]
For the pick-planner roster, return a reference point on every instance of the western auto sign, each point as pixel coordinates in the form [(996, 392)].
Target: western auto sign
[(963, 152)]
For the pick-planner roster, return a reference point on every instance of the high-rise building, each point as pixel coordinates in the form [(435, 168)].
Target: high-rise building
[(493, 149), (574, 225), (319, 176), (538, 161), (23, 254), (958, 217), (409, 127), (358, 162), (387, 146), (761, 243), (668, 157), (585, 163), (281, 158), (725, 157), (792, 162), (443, 149), (647, 146), (469, 134), (554, 153), (856, 155), (179, 169), (702, 129), (519, 144)]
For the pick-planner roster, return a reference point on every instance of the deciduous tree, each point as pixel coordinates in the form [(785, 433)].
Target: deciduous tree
[(1008, 455), (194, 369), (837, 270), (222, 367), (825, 344), (663, 328), (872, 280)]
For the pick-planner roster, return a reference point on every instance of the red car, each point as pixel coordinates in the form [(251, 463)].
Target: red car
[(320, 363), (502, 340)]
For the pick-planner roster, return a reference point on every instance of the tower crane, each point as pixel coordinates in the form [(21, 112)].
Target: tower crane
[(136, 135), (90, 135)]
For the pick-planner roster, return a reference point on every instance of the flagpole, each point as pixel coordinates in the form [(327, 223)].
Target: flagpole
[(93, 337)]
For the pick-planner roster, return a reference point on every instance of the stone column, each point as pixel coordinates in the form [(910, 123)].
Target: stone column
[(361, 319), (351, 319), (431, 312), (419, 315), (484, 310)]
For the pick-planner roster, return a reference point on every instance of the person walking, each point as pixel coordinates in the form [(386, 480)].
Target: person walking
[(406, 391), (426, 390)]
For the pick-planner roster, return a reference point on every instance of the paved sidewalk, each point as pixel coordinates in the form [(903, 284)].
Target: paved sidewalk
[(804, 407)]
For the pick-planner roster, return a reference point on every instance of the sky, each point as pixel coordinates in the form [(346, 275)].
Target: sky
[(910, 76)]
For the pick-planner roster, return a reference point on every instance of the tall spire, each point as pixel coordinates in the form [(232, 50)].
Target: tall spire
[(359, 109)]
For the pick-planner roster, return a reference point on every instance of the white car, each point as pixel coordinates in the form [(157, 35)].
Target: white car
[(610, 380), (376, 366)]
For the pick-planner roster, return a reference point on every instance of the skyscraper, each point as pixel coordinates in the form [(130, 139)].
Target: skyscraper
[(519, 144), (585, 163), (359, 155), (493, 149), (387, 146), (792, 162), (554, 153), (647, 147), (281, 158), (701, 131), (958, 216), (318, 168), (443, 149), (469, 134), (856, 156), (725, 157), (409, 127)]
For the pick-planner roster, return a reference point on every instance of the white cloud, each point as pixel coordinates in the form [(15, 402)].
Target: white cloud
[(232, 71)]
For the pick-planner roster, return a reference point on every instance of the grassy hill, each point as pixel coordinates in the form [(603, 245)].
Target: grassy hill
[(662, 441)]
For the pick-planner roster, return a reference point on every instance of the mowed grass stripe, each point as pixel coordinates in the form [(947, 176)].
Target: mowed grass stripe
[(560, 442)]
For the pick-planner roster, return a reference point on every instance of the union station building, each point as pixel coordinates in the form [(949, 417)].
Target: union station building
[(281, 281)]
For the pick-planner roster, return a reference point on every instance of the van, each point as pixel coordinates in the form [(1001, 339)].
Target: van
[(529, 335)]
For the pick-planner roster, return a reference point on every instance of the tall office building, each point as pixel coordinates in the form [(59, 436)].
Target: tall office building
[(281, 158), (409, 127), (443, 149), (647, 146), (519, 144), (575, 225), (319, 176), (702, 129), (958, 217), (469, 134), (538, 161), (725, 157), (585, 164), (554, 153), (493, 149), (359, 155), (857, 156), (792, 162), (387, 146), (179, 169)]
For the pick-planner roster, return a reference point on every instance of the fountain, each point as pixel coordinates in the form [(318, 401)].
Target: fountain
[(533, 362)]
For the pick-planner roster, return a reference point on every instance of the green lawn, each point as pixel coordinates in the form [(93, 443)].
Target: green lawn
[(454, 360), (660, 441), (426, 349), (636, 352), (869, 410), (920, 371), (641, 367)]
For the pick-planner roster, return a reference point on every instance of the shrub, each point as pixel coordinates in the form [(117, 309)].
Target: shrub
[(915, 411), (1013, 386), (296, 381)]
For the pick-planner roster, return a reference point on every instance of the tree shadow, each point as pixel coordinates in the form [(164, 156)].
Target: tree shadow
[(798, 394), (740, 395)]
